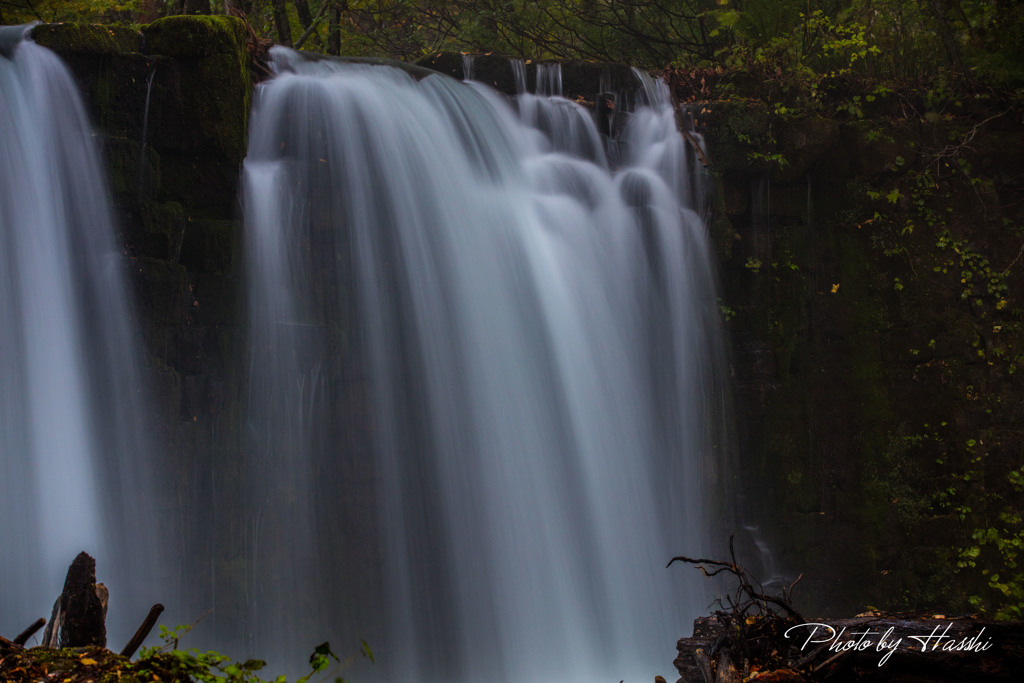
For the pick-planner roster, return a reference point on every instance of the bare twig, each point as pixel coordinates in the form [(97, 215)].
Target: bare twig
[(312, 26), (1014, 261), (950, 151), (747, 596), (23, 637), (9, 645), (140, 635)]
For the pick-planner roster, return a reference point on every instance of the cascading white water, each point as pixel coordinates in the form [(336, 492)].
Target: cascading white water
[(70, 403), (534, 336)]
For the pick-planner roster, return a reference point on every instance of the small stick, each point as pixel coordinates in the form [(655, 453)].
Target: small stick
[(27, 633), (140, 635), (696, 146), (9, 645)]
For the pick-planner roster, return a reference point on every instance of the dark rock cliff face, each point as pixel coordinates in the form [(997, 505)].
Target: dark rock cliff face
[(871, 277)]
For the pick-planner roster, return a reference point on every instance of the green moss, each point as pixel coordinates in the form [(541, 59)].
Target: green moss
[(78, 664), (222, 104), (89, 38), (880, 146), (723, 234), (209, 245), (735, 130), (215, 81), (195, 36), (161, 227)]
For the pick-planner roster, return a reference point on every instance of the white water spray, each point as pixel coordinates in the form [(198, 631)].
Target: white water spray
[(70, 403), (536, 338)]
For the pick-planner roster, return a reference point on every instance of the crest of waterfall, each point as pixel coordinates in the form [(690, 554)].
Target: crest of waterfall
[(468, 67), (518, 75), (565, 126), (527, 339), (71, 423), (549, 78)]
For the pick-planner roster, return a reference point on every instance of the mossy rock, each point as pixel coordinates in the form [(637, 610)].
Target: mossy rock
[(160, 229), (804, 141), (494, 70), (879, 147), (587, 79), (88, 38), (209, 245), (579, 79), (790, 200), (736, 130), (195, 36), (207, 91), (204, 182), (129, 169)]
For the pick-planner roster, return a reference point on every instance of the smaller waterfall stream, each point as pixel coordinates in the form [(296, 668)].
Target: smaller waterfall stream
[(144, 138), (71, 419), (532, 338)]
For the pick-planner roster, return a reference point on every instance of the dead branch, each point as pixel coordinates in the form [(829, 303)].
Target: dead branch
[(747, 595), (23, 637), (9, 646), (140, 635)]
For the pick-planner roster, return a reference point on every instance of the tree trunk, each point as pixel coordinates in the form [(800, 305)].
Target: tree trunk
[(334, 28), (150, 10), (305, 16), (238, 8), (197, 7), (284, 29)]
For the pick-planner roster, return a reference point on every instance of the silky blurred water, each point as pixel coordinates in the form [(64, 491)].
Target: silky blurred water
[(72, 475), (536, 337)]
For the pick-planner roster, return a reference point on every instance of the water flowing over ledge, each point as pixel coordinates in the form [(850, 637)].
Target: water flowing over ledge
[(477, 405), (819, 328), (538, 333), (72, 418)]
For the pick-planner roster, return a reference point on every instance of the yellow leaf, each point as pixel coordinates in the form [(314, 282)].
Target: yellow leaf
[(835, 288), (88, 661)]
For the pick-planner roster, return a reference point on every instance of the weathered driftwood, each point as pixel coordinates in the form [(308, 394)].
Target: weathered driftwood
[(8, 646), (80, 611), (23, 637), (140, 635)]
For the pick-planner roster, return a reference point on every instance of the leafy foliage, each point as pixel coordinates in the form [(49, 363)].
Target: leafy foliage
[(951, 235), (939, 42), (168, 662), (24, 11)]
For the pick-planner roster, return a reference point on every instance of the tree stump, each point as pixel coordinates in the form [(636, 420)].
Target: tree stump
[(80, 612)]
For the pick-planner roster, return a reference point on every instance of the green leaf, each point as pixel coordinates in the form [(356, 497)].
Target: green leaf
[(728, 18), (367, 651)]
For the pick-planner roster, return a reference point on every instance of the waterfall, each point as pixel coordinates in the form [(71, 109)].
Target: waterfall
[(549, 78), (71, 424), (481, 386)]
